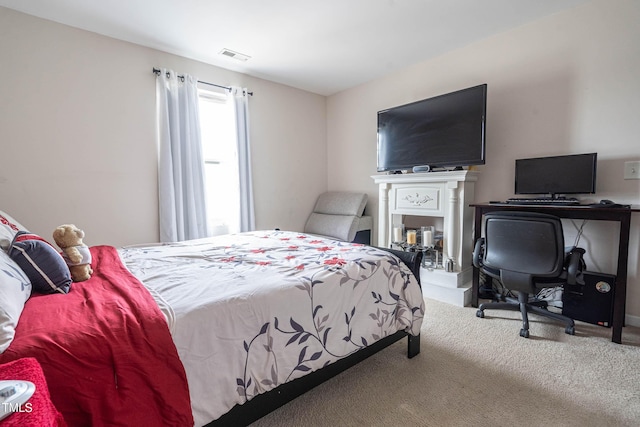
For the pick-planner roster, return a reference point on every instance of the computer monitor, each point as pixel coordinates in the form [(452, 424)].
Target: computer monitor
[(570, 174)]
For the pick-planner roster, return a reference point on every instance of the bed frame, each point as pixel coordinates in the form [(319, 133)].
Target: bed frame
[(261, 405)]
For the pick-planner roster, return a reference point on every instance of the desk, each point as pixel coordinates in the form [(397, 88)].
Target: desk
[(623, 216)]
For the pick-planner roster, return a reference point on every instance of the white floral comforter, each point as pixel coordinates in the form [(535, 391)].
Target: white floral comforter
[(253, 310)]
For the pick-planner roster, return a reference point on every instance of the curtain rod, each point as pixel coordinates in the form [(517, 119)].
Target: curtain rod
[(156, 71)]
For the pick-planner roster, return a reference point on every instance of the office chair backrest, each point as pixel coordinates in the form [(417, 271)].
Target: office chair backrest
[(522, 245)]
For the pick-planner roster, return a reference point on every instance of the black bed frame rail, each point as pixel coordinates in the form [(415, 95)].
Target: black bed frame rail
[(262, 404)]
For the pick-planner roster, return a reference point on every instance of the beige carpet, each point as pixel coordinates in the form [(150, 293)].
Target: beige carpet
[(480, 372)]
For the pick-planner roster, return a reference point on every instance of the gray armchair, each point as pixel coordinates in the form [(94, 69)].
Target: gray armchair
[(339, 214)]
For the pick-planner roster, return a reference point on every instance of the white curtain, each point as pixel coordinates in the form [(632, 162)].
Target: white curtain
[(239, 97), (181, 168)]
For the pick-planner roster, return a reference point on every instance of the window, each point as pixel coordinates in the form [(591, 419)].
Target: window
[(218, 132)]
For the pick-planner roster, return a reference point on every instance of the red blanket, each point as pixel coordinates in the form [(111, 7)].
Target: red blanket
[(38, 410), (105, 350)]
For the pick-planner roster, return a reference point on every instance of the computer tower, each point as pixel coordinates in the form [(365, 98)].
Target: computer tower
[(591, 302)]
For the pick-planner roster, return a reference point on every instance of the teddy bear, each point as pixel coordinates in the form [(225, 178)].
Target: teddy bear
[(69, 238)]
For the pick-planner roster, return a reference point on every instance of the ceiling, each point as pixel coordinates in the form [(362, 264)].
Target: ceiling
[(322, 46)]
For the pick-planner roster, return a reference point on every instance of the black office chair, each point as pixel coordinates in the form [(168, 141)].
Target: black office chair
[(525, 251)]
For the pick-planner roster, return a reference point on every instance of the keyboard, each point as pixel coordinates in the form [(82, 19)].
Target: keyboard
[(543, 201)]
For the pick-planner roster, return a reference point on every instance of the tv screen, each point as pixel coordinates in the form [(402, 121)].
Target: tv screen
[(444, 131), (571, 174)]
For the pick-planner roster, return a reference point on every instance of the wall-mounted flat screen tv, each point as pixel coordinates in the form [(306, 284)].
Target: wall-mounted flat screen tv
[(443, 131), (570, 174)]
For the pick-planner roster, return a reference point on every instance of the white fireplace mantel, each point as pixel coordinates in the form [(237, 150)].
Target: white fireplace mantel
[(445, 195)]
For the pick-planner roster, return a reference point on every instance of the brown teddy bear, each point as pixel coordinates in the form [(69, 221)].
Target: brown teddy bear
[(69, 238)]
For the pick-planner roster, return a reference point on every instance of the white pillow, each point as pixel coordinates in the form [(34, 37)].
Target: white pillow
[(8, 229), (15, 289)]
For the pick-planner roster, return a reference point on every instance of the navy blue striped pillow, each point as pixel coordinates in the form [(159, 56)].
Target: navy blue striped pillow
[(43, 265)]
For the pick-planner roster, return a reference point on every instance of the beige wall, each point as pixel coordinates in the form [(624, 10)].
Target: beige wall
[(77, 134), (565, 84)]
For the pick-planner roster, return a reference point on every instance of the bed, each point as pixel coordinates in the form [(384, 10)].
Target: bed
[(216, 331)]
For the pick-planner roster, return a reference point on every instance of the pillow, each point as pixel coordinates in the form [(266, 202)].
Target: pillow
[(43, 265), (15, 289), (8, 229)]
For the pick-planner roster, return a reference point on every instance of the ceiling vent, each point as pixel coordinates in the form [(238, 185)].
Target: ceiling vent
[(235, 55)]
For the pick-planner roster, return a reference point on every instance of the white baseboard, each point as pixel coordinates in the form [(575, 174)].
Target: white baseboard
[(630, 320)]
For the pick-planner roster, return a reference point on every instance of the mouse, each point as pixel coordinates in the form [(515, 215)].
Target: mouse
[(604, 203)]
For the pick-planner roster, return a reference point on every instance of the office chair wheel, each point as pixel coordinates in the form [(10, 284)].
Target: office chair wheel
[(571, 330), (524, 333), (480, 314)]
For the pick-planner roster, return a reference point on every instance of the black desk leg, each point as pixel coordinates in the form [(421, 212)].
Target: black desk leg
[(620, 291)]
